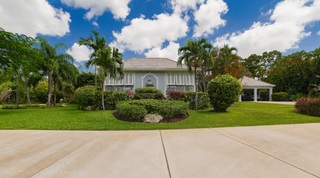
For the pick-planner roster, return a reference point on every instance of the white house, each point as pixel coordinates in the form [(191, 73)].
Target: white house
[(161, 73)]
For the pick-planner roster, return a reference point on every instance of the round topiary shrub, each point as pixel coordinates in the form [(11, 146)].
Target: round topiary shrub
[(223, 91), (86, 96), (280, 96)]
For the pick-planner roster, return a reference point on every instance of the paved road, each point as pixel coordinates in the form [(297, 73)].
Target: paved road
[(266, 151)]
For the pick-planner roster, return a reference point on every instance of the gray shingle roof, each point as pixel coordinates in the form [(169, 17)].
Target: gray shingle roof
[(155, 64), (248, 82)]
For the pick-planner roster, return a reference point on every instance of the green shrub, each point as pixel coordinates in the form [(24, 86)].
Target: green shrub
[(111, 99), (203, 100), (167, 109), (131, 112), (264, 95), (41, 91), (148, 93), (309, 106), (86, 96), (147, 90), (223, 91), (280, 96), (296, 96)]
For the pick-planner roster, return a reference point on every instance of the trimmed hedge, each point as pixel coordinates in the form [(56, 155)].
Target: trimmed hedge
[(308, 106), (264, 95), (167, 109), (223, 91), (280, 96), (131, 112), (148, 93)]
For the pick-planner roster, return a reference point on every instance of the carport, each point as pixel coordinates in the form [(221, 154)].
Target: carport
[(253, 84)]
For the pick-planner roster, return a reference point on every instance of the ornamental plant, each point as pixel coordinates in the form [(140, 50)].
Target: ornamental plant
[(223, 91)]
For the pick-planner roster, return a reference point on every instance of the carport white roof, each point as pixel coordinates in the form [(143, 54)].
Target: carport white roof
[(154, 64), (248, 82)]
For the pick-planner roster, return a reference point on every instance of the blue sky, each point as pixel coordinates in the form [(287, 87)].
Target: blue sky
[(157, 28)]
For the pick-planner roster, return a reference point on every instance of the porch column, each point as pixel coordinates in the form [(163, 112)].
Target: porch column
[(270, 94), (255, 94), (240, 98)]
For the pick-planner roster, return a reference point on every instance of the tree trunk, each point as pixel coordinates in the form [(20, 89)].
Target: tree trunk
[(102, 96), (54, 92), (17, 93), (196, 84), (95, 76), (49, 87)]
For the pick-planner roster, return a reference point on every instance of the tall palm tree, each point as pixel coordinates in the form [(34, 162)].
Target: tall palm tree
[(51, 59), (66, 71), (96, 44), (195, 54), (110, 63)]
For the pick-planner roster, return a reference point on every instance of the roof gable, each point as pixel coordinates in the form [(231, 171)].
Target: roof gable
[(248, 82), (157, 64)]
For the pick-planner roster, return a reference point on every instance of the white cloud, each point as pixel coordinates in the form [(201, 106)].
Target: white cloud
[(181, 6), (318, 33), (208, 17), (79, 53), (144, 34), (119, 8), (284, 31), (171, 51), (33, 17)]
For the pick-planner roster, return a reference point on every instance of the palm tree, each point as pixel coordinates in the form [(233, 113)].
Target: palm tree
[(226, 61), (51, 60), (110, 63), (96, 44), (195, 54), (66, 71)]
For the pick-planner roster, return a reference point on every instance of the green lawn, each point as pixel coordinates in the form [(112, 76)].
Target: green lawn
[(69, 118)]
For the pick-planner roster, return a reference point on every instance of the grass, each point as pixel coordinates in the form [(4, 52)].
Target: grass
[(69, 118)]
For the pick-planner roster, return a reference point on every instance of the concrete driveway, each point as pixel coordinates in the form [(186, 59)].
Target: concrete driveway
[(264, 151)]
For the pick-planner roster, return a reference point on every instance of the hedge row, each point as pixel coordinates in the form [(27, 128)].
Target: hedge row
[(89, 97), (135, 110), (148, 93), (280, 96), (308, 106)]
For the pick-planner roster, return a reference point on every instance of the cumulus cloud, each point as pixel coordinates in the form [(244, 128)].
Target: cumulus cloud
[(208, 17), (79, 53), (119, 8), (284, 31), (318, 33), (144, 34), (181, 6), (33, 17), (171, 51)]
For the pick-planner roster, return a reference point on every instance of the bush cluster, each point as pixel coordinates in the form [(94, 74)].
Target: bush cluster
[(309, 106), (280, 96), (223, 91), (148, 93), (89, 96), (111, 99), (203, 100), (176, 95), (132, 110)]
